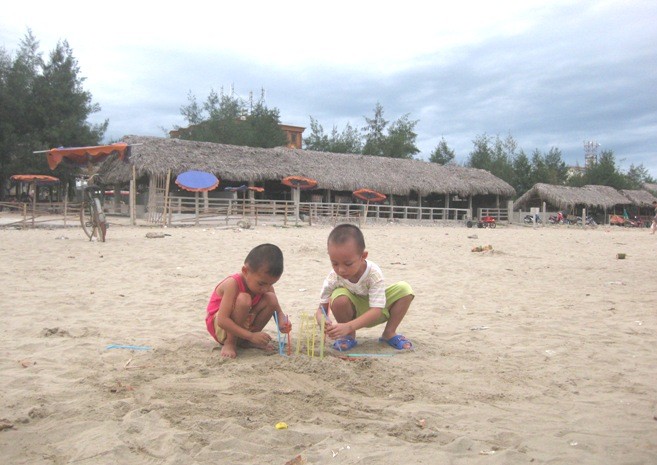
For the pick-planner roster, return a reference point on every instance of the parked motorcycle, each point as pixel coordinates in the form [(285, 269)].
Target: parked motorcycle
[(529, 219)]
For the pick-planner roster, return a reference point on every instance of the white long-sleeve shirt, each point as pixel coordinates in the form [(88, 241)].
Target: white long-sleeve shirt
[(371, 285)]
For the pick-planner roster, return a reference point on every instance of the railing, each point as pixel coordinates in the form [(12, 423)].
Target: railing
[(32, 214), (315, 211), (500, 214), (182, 210)]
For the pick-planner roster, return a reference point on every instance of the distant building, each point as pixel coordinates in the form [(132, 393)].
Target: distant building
[(575, 170)]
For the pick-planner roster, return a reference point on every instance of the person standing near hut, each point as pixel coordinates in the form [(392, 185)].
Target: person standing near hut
[(653, 226)]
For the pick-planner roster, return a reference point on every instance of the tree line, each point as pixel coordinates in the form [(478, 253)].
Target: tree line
[(397, 139), (43, 104)]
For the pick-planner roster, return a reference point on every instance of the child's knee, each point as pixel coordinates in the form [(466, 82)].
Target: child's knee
[(341, 302), (243, 301)]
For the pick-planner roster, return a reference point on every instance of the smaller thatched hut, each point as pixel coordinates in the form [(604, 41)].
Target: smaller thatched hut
[(566, 198), (639, 198), (652, 188)]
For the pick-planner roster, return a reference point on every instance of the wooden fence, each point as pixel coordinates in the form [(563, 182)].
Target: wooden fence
[(194, 210), (29, 215)]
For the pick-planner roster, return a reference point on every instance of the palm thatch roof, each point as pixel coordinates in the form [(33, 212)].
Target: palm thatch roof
[(639, 198), (650, 187), (566, 197), (335, 171)]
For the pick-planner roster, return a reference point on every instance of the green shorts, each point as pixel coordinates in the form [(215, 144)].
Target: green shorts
[(394, 292)]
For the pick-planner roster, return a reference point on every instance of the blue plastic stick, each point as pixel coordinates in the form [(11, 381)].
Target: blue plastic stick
[(119, 346), (278, 328), (370, 355)]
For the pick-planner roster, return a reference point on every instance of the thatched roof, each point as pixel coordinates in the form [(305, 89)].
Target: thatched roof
[(335, 171), (652, 188), (565, 197), (639, 198)]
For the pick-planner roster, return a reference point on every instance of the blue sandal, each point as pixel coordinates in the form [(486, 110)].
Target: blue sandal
[(345, 343), (398, 342)]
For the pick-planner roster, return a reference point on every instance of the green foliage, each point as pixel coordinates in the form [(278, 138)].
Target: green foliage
[(494, 155), (397, 142), (226, 119), (503, 159), (603, 173), (42, 105), (522, 173), (442, 154), (347, 141), (638, 175)]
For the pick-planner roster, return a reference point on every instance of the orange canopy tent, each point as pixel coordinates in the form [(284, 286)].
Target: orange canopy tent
[(84, 155)]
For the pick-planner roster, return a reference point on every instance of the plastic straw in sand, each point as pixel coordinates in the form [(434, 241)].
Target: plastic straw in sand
[(278, 328)]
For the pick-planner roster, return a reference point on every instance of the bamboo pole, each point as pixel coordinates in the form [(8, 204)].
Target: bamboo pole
[(65, 204), (34, 198), (133, 196), (166, 198)]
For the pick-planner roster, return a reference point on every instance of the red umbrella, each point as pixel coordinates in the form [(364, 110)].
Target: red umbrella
[(243, 188), (300, 182), (368, 195), (41, 179), (84, 155)]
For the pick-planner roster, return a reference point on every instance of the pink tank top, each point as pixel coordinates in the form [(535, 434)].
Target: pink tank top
[(215, 302)]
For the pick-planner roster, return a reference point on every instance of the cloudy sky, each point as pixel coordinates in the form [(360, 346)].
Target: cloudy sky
[(550, 73)]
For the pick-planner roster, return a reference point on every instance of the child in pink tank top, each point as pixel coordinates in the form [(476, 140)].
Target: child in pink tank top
[(243, 303)]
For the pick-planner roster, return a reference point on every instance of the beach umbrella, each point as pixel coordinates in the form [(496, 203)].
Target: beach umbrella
[(40, 179), (197, 181), (243, 188), (298, 183), (368, 195)]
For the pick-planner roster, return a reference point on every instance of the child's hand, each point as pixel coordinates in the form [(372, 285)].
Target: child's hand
[(338, 330), (322, 315), (260, 339), (284, 324)]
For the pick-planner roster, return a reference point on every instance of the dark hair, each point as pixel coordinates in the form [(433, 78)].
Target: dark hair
[(267, 258), (343, 232)]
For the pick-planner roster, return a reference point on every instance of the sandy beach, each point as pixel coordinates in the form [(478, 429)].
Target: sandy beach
[(542, 351)]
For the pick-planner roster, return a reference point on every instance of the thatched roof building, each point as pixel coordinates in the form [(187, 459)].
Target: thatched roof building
[(340, 172), (640, 198), (652, 188), (565, 197)]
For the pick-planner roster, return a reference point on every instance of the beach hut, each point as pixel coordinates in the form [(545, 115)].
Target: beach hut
[(641, 209), (567, 198), (154, 159)]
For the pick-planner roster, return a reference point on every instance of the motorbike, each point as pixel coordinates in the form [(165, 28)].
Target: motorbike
[(529, 219)]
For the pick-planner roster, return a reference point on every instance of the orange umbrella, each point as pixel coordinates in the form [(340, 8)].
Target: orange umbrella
[(300, 182), (84, 155), (40, 179), (368, 195)]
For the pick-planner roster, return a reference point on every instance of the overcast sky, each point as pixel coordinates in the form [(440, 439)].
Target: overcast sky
[(550, 73)]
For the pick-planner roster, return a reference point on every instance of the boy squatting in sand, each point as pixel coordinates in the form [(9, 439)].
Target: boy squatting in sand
[(357, 294), (242, 304)]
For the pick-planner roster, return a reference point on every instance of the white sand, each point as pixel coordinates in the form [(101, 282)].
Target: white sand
[(543, 351)]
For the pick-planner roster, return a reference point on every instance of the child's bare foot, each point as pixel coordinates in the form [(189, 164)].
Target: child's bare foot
[(249, 345), (229, 350)]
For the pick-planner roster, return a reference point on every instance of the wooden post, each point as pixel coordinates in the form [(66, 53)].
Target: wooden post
[(65, 203), (166, 198), (132, 199), (196, 207), (284, 215), (34, 198)]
